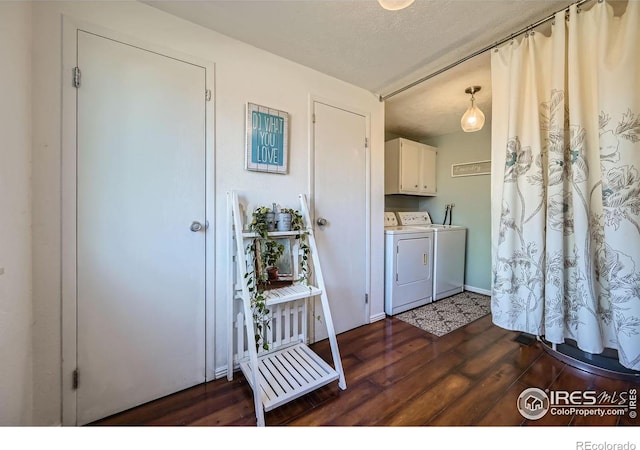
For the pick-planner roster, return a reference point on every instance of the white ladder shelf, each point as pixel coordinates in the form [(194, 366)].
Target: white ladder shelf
[(289, 369)]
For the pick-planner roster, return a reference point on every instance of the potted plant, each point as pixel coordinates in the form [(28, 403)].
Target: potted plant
[(271, 251)]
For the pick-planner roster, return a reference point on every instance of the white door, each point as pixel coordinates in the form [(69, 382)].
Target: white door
[(340, 197), (140, 185)]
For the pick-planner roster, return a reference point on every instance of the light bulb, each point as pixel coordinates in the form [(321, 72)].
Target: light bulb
[(394, 5), (473, 118)]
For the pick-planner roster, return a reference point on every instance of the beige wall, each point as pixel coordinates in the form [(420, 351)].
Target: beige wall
[(15, 214)]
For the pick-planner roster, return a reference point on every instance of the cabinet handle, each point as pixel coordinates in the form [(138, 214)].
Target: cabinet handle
[(416, 185), (425, 259)]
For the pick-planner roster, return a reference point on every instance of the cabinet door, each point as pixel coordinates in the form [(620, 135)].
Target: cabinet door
[(428, 170), (410, 156)]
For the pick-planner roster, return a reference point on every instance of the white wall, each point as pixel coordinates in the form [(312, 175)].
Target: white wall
[(243, 73), (15, 214)]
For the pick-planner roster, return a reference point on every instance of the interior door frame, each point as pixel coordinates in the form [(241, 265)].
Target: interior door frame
[(70, 29), (313, 99)]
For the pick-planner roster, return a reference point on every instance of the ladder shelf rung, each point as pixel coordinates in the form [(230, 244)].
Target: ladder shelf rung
[(292, 233), (296, 291), (288, 374)]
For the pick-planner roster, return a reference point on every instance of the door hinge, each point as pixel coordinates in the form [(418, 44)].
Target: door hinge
[(366, 298), (366, 142), (396, 276), (207, 95), (75, 377), (76, 77), (313, 117)]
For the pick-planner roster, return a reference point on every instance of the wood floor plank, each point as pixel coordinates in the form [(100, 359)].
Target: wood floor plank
[(481, 395), (421, 409), (329, 412), (526, 356), (224, 391), (544, 372), (478, 343), (210, 402), (396, 341), (479, 363), (505, 412), (388, 357), (375, 409)]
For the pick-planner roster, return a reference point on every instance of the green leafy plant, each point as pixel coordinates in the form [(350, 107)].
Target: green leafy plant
[(258, 223), (256, 278), (271, 252), (261, 318)]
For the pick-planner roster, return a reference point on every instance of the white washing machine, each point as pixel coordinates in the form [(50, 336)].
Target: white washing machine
[(408, 266), (448, 249)]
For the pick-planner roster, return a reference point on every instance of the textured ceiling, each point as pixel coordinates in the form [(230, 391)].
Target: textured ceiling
[(359, 42)]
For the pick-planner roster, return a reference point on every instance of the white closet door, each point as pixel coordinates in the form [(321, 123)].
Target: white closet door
[(340, 197), (140, 184)]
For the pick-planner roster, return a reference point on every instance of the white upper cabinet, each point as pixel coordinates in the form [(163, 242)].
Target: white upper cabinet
[(410, 168)]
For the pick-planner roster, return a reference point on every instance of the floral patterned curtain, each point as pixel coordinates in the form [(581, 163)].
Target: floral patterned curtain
[(566, 182)]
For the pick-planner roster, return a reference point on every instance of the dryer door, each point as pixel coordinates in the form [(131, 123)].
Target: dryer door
[(413, 260)]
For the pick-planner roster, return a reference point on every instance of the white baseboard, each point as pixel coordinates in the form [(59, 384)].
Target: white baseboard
[(377, 317), (221, 372), (477, 290)]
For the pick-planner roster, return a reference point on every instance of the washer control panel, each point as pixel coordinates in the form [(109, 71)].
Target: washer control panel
[(420, 218), (390, 219)]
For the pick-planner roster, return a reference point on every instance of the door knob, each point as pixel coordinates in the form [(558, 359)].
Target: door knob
[(195, 226), (321, 221)]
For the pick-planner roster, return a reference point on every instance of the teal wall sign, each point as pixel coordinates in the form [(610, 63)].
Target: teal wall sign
[(267, 139)]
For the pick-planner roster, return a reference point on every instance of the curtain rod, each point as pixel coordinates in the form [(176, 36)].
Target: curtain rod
[(479, 52)]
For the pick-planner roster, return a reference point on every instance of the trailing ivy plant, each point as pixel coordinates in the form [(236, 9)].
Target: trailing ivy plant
[(259, 221), (270, 252), (255, 282), (261, 318)]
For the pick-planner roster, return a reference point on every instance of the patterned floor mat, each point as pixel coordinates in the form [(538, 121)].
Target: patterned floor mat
[(443, 316)]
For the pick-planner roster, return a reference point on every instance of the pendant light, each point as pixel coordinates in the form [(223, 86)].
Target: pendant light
[(473, 118), (394, 5)]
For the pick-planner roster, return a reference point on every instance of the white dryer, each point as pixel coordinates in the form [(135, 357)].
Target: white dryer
[(449, 252), (408, 266)]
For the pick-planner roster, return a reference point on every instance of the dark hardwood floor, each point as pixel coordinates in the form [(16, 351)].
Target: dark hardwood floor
[(396, 375)]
